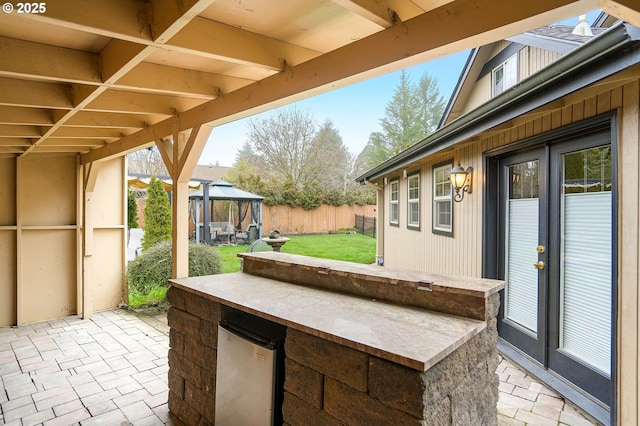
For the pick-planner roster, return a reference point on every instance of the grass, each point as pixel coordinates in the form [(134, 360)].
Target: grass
[(155, 297), (349, 247)]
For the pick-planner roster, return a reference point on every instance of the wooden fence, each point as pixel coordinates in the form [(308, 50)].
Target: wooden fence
[(322, 220), (290, 220)]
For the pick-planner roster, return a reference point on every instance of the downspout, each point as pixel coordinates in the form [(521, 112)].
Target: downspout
[(380, 221)]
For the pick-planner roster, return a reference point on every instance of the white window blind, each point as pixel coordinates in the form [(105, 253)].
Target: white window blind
[(521, 294), (585, 329)]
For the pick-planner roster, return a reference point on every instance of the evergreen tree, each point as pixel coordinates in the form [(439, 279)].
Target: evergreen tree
[(132, 211), (157, 215), (412, 114)]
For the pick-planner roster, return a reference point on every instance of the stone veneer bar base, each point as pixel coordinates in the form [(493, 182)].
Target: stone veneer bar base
[(327, 383)]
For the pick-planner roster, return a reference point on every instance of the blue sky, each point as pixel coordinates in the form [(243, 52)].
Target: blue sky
[(355, 110)]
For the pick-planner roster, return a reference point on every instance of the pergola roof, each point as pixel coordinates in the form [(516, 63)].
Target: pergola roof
[(101, 78)]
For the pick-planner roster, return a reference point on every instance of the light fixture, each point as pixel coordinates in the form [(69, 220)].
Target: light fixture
[(461, 181)]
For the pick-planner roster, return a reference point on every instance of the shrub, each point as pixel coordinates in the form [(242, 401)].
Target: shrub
[(152, 268), (132, 211), (157, 215)]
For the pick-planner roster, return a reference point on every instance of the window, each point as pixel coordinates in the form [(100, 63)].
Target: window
[(394, 212), (504, 75), (442, 200), (413, 201)]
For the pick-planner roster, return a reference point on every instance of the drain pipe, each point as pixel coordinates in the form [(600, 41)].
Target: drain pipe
[(380, 221)]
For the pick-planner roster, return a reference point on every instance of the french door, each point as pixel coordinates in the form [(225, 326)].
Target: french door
[(556, 210)]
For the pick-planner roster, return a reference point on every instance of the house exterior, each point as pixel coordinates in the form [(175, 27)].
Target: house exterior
[(548, 122)]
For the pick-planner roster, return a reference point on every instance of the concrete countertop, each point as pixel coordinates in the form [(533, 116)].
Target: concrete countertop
[(412, 337)]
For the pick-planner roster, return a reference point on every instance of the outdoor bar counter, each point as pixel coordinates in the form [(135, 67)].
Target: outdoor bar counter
[(364, 344)]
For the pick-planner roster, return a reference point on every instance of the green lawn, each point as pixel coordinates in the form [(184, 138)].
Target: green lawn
[(349, 247)]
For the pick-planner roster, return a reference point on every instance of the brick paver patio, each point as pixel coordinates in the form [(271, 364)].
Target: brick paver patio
[(112, 370)]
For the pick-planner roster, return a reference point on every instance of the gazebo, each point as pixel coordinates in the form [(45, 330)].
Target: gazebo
[(240, 220)]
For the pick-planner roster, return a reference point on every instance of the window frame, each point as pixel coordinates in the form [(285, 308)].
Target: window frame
[(502, 66), (435, 227), (395, 202), (411, 201)]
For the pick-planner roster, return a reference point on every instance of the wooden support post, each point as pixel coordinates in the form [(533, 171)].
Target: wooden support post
[(181, 158), (19, 213), (90, 178)]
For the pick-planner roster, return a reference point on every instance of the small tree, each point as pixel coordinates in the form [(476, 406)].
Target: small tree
[(157, 215), (132, 211)]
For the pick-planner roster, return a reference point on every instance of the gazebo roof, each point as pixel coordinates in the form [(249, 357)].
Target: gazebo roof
[(223, 190)]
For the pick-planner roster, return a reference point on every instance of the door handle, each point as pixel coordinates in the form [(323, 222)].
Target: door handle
[(539, 264)]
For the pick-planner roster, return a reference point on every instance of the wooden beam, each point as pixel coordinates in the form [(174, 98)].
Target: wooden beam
[(122, 19), (231, 44), (168, 17), (162, 79), (165, 147), (180, 230), (375, 11), (140, 103), (17, 115), (34, 94), (15, 142), (89, 133), (193, 150), (9, 131), (444, 30), (82, 143), (43, 62), (110, 120), (627, 10), (119, 57)]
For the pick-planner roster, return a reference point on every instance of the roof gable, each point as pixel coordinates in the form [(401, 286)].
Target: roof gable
[(554, 38)]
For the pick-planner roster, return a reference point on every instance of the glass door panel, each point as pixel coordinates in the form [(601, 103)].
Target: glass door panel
[(522, 206), (521, 295)]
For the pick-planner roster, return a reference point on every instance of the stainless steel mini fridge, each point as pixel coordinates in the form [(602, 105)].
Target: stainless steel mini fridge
[(249, 382)]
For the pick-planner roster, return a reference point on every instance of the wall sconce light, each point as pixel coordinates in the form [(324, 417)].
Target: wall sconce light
[(384, 181), (461, 181), (404, 174)]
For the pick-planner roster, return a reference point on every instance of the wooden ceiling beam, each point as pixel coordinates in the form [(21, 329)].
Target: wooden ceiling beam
[(450, 28), (627, 10), (43, 62), (168, 17), (161, 79), (88, 133), (235, 45), (10, 131), (17, 115), (140, 103), (121, 19), (118, 58), (35, 94), (375, 11), (75, 142), (15, 142), (111, 120)]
